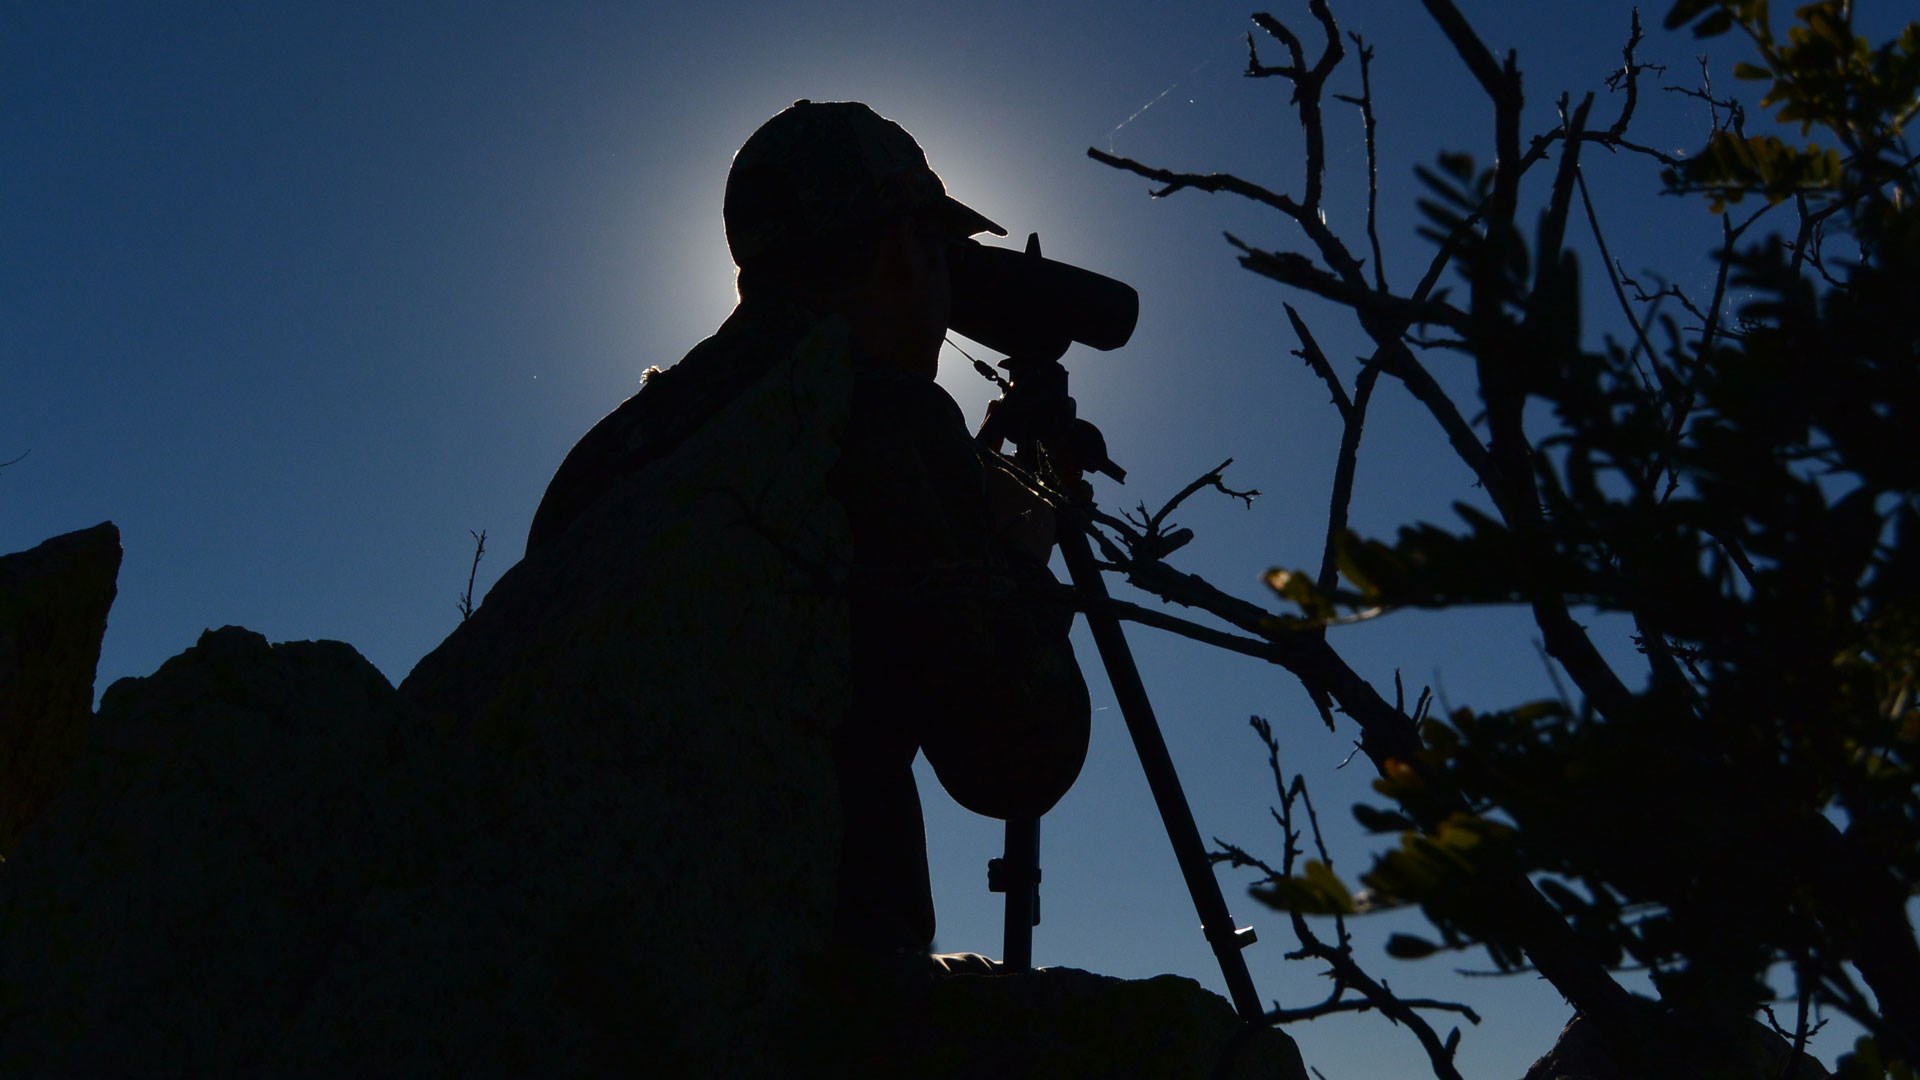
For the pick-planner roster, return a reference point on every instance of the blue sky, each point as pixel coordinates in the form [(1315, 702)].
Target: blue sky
[(297, 295)]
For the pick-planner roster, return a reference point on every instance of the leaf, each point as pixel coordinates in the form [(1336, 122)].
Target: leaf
[(1684, 12), (1318, 892), (1714, 25), (1376, 820), (1409, 947), (1299, 587), (1867, 1062), (1375, 569), (1533, 712)]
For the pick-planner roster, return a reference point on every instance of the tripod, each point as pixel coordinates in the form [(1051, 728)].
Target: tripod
[(1034, 408)]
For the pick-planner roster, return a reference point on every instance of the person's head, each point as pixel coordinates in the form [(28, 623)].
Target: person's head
[(834, 205)]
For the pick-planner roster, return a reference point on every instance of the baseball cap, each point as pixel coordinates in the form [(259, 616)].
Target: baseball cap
[(820, 168)]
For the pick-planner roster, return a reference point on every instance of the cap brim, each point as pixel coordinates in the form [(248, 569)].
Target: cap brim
[(964, 220)]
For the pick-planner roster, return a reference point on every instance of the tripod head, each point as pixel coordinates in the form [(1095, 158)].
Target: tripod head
[(1034, 410), (1032, 308)]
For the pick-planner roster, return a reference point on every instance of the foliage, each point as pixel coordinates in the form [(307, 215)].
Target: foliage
[(1739, 485)]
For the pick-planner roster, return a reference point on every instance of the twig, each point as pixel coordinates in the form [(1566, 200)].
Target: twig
[(1629, 76), (1317, 361), (1352, 414), (1340, 1005), (479, 549), (1307, 83), (1154, 540), (1501, 82), (1292, 268), (1238, 858), (1709, 328), (1365, 102), (1345, 462), (1803, 997), (1341, 966), (1736, 114), (1613, 278), (1208, 182), (1214, 478), (1553, 226)]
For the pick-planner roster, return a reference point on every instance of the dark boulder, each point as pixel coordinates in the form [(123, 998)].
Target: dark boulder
[(963, 1015), (174, 907), (1746, 1050), (53, 614)]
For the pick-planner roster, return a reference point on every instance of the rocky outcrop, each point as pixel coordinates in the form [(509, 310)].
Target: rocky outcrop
[(53, 614), (170, 913), (1746, 1051), (596, 835), (1066, 1022)]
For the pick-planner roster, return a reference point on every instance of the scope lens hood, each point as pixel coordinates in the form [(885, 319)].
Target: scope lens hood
[(1022, 303)]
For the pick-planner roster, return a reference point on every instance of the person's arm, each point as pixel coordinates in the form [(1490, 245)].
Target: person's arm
[(956, 623)]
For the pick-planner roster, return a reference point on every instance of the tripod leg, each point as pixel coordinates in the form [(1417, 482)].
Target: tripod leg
[(1017, 873), (1165, 783)]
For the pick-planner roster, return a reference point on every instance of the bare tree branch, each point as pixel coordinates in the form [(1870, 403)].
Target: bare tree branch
[(1316, 359), (1343, 470), (1628, 77), (1343, 1005), (1365, 102), (1553, 226), (1208, 182), (1307, 84), (1292, 268), (1640, 342), (1501, 82), (1154, 540)]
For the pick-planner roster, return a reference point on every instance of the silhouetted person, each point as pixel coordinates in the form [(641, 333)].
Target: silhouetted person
[(959, 639)]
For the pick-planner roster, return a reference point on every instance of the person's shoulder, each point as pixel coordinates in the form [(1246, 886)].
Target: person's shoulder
[(749, 341), (670, 405)]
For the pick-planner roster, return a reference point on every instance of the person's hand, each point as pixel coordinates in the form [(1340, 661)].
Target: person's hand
[(1067, 468), (1019, 517)]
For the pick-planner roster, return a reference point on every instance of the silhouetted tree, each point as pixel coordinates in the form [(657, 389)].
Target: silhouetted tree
[(1738, 479)]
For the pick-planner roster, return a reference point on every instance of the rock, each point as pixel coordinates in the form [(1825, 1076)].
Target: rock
[(1066, 1022), (964, 1016), (170, 912), (1749, 1052), (53, 613)]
